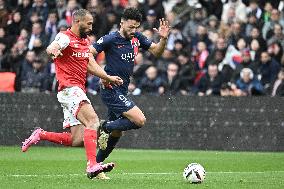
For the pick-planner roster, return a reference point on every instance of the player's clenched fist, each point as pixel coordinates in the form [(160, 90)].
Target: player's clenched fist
[(54, 52), (115, 80)]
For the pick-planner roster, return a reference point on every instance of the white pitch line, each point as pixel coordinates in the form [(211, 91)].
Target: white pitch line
[(166, 173)]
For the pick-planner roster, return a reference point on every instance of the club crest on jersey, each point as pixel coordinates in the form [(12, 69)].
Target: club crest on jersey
[(100, 40), (135, 43)]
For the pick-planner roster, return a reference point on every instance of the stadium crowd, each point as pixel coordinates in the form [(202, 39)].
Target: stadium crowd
[(216, 47)]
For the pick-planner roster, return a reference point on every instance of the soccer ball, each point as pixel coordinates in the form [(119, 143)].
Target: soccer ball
[(194, 173)]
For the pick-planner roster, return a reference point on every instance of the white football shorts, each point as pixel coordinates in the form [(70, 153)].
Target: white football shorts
[(71, 99)]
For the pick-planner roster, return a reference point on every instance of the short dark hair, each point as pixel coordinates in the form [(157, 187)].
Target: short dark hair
[(132, 14), (80, 13)]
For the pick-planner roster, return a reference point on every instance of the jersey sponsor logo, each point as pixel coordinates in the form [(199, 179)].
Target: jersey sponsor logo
[(124, 100), (128, 56), (81, 54), (120, 46)]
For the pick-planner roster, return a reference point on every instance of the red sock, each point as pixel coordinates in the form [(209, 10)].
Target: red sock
[(90, 142), (59, 138)]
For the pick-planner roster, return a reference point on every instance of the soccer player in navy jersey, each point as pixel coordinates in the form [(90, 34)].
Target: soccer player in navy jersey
[(120, 49)]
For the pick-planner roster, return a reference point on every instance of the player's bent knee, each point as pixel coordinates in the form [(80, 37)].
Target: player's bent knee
[(116, 133), (93, 122), (77, 143)]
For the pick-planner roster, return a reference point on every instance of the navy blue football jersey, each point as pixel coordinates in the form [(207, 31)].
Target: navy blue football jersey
[(120, 53)]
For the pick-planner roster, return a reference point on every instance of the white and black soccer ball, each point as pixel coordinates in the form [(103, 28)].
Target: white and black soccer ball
[(194, 173)]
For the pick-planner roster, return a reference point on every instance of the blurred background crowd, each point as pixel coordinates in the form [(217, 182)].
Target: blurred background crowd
[(216, 47)]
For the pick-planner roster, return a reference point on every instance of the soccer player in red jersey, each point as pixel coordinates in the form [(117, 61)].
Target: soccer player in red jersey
[(73, 61)]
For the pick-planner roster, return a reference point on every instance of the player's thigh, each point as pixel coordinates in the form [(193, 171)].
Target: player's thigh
[(77, 133), (88, 116), (136, 116)]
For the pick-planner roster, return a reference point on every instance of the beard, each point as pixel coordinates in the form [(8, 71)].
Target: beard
[(83, 33), (127, 36)]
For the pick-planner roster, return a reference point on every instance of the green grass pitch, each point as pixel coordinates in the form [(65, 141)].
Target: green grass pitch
[(62, 167)]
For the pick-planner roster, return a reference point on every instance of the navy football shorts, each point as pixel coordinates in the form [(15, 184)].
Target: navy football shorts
[(116, 102)]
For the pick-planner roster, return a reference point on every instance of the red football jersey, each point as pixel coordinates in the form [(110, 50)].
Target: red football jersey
[(71, 68)]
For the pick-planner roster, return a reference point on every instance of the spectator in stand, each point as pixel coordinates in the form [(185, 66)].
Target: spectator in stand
[(72, 5), (239, 8), (135, 4), (267, 11), (182, 10), (236, 33), (26, 64), (254, 9), (51, 26), (201, 56), (24, 8), (163, 62), (4, 14), (5, 39), (268, 69), (186, 74), (175, 34), (218, 51), (37, 33), (246, 62), (233, 54), (151, 83), (211, 82), (154, 5), (2, 52), (180, 6), (212, 25), (35, 78), (115, 7), (253, 22), (275, 50), (141, 65), (247, 84), (213, 7), (151, 20), (201, 35), (277, 35), (268, 28), (97, 8), (11, 61), (169, 86), (255, 50), (61, 8), (278, 85), (179, 48), (15, 25), (41, 8), (191, 27), (255, 34)]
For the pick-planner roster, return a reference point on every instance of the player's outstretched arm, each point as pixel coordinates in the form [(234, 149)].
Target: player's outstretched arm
[(97, 70), (157, 49), (54, 50)]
